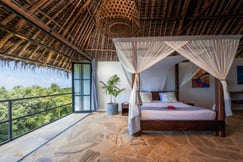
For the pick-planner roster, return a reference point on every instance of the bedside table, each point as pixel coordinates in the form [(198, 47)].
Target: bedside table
[(125, 108), (192, 104)]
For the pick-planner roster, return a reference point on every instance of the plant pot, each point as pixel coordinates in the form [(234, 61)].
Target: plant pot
[(112, 108)]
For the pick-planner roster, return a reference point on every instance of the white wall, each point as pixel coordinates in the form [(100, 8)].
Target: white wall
[(232, 80), (198, 96), (232, 77), (204, 97), (104, 71)]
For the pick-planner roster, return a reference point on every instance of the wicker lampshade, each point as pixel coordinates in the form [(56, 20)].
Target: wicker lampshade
[(118, 18)]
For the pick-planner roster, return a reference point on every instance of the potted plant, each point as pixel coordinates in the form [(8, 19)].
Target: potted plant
[(113, 91)]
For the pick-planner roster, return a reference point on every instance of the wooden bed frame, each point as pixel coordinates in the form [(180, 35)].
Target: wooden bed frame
[(217, 125)]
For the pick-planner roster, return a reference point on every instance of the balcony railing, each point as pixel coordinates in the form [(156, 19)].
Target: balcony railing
[(23, 115)]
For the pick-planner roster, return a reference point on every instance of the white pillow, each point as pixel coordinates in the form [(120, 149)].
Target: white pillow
[(146, 96), (161, 96), (169, 97), (213, 107)]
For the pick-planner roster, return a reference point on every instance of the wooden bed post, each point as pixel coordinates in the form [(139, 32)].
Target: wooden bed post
[(139, 133), (219, 101), (177, 85), (133, 78)]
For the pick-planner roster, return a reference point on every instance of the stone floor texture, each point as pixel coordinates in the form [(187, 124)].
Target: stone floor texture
[(18, 148), (101, 137)]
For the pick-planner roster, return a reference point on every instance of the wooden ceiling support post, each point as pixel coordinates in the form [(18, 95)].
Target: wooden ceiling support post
[(177, 84), (219, 101)]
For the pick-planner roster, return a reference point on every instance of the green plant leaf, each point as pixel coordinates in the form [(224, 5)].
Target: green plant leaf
[(111, 86)]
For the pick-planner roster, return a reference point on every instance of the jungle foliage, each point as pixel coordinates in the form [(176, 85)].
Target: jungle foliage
[(37, 111)]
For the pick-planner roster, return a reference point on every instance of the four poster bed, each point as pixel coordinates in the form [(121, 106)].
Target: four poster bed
[(157, 116), (214, 54)]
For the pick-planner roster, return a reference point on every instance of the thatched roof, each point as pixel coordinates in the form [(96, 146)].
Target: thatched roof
[(54, 33)]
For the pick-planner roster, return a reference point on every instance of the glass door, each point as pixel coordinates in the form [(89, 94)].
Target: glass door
[(81, 83)]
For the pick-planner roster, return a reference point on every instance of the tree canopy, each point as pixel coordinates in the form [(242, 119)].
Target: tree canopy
[(51, 108)]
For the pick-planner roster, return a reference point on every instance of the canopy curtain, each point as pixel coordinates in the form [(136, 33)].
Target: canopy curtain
[(94, 103), (157, 74), (128, 76), (215, 54), (189, 74), (136, 56)]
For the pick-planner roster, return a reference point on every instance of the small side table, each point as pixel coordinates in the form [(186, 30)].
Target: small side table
[(125, 109), (188, 103)]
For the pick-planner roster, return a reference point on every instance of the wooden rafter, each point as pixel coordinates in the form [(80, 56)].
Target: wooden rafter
[(74, 19), (57, 32), (10, 33), (184, 12), (205, 7), (42, 26)]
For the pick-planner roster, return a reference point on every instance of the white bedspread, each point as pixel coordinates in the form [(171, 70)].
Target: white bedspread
[(190, 113)]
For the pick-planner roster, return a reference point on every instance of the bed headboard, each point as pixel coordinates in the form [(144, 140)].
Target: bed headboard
[(155, 94)]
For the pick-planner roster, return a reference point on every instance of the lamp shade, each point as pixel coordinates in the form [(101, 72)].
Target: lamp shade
[(118, 18)]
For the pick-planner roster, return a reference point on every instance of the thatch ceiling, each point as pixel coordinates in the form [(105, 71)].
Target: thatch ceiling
[(54, 33)]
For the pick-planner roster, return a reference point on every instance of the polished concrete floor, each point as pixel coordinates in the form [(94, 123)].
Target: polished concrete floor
[(102, 137)]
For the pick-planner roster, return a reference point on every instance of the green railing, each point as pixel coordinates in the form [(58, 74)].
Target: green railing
[(23, 115)]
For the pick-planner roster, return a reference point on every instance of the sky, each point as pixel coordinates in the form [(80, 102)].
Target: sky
[(10, 77)]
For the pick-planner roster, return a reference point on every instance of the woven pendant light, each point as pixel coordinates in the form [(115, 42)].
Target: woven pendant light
[(118, 18)]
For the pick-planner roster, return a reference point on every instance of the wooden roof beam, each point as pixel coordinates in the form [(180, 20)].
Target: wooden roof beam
[(204, 8), (74, 19), (52, 18), (8, 19), (33, 52), (23, 49), (42, 26), (177, 18), (184, 12), (37, 5), (16, 45), (21, 22), (48, 58), (5, 39), (13, 33), (101, 50)]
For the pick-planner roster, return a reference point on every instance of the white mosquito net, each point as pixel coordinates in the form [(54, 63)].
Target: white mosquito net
[(214, 54)]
